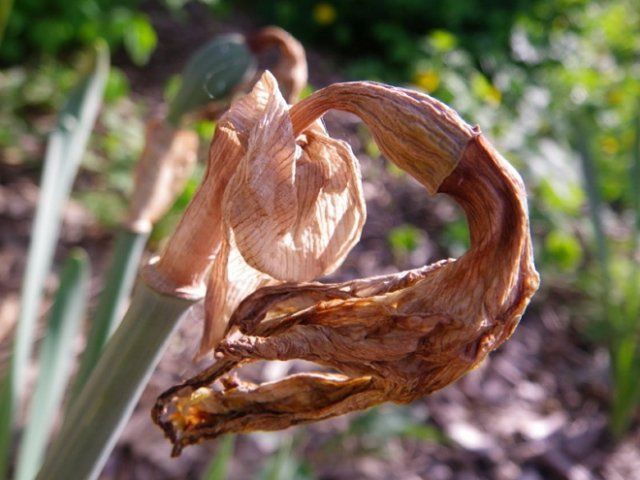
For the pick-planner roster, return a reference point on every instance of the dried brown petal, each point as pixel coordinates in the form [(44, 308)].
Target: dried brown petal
[(166, 162), (183, 265), (393, 338), (295, 210)]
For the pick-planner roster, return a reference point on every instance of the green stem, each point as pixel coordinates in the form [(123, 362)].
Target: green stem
[(128, 250), (99, 414)]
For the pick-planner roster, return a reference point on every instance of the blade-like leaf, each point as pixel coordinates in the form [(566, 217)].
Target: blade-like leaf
[(56, 358), (127, 252), (590, 174), (218, 468), (212, 73), (66, 145)]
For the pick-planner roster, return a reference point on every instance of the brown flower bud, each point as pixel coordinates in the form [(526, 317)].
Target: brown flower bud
[(291, 69), (166, 162), (392, 338)]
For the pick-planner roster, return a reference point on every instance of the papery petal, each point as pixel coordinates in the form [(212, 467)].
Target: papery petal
[(231, 280), (296, 212), (186, 253)]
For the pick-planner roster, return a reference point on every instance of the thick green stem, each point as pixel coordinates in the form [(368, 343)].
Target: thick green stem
[(128, 250), (99, 414)]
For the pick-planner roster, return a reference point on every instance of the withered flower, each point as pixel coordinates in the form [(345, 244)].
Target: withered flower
[(272, 207), (391, 338)]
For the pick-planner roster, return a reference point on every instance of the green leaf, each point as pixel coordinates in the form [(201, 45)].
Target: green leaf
[(65, 148), (56, 359), (564, 250), (442, 41), (212, 73), (128, 250), (405, 239), (117, 86), (218, 468), (140, 39), (284, 465)]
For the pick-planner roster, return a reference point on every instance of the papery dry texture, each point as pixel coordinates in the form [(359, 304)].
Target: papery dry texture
[(291, 69), (392, 338), (166, 162), (272, 207)]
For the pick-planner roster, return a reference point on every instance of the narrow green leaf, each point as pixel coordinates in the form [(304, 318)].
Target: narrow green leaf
[(56, 359), (595, 210), (66, 145), (218, 468), (128, 250), (212, 73), (635, 179), (283, 465)]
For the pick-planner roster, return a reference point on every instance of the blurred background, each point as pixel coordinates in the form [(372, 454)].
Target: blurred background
[(554, 83)]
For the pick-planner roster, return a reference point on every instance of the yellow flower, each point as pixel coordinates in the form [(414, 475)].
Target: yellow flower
[(324, 13), (427, 80), (610, 145)]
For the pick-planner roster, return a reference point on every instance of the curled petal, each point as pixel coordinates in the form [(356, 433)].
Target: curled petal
[(296, 210)]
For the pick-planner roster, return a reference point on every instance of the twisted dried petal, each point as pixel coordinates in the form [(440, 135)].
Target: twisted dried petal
[(296, 210)]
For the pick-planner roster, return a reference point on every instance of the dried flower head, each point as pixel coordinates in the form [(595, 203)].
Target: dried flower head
[(391, 338), (272, 207)]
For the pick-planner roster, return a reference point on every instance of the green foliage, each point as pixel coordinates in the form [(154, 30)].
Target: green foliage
[(218, 468), (562, 249), (405, 239), (96, 418), (65, 149), (285, 465), (383, 38), (380, 424), (51, 27), (119, 280), (56, 360), (140, 39)]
